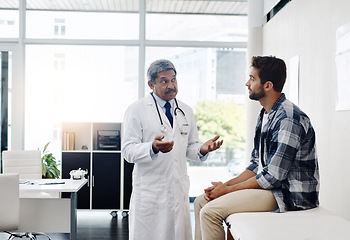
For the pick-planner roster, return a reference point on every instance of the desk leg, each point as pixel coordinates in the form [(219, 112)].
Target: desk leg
[(73, 216)]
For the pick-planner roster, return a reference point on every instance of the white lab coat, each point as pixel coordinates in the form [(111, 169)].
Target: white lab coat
[(159, 205)]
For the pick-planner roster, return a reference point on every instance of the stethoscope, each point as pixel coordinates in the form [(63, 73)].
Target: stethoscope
[(184, 129)]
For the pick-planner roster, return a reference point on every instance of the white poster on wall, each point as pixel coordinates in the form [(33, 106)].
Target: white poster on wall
[(293, 79), (342, 61)]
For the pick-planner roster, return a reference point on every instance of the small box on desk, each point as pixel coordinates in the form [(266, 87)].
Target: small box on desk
[(108, 140)]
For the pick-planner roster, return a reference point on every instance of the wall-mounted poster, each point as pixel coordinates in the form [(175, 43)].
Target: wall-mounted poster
[(342, 60)]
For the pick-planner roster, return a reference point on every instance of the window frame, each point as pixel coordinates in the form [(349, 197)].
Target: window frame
[(18, 45)]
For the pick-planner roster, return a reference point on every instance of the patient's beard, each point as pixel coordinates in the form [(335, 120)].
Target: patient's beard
[(257, 95)]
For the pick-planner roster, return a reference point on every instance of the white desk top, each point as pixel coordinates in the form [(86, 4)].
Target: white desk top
[(51, 185)]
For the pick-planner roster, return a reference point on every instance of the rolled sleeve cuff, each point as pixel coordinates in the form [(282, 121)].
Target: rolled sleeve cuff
[(253, 168), (153, 155), (263, 182), (202, 157)]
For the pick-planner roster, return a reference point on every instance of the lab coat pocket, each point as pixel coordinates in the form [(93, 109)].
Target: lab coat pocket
[(182, 143), (153, 192)]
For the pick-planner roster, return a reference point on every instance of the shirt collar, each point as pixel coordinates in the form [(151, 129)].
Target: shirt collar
[(275, 106), (279, 101), (162, 102)]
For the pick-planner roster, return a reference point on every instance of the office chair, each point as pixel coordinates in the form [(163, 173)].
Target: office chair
[(9, 202), (28, 164), (25, 162), (9, 207)]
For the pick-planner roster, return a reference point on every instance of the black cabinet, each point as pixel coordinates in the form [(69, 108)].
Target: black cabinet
[(72, 161), (106, 180), (128, 168), (109, 174)]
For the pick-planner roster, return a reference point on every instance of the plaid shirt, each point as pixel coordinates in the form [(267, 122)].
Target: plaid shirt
[(290, 167)]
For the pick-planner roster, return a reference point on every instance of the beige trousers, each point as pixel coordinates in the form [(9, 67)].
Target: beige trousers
[(209, 216)]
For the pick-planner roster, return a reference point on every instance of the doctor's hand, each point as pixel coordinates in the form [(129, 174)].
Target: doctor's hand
[(159, 146), (211, 145)]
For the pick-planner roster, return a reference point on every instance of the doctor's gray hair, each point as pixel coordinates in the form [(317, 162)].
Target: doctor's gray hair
[(158, 66)]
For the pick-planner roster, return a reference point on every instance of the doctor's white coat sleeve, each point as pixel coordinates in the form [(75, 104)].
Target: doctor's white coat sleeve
[(134, 149)]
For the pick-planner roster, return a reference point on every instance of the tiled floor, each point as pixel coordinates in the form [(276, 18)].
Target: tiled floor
[(94, 225), (97, 225)]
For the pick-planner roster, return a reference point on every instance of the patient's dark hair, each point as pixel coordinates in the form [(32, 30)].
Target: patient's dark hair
[(271, 69)]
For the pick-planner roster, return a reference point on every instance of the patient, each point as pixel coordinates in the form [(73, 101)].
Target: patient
[(283, 174)]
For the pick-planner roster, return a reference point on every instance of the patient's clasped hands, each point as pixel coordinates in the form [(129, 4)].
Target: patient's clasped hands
[(216, 190)]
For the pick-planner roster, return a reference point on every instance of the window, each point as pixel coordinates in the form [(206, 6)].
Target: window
[(59, 61), (9, 24), (76, 83), (83, 65), (82, 25), (59, 27), (211, 81), (5, 98), (196, 27)]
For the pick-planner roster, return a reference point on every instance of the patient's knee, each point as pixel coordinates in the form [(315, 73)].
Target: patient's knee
[(199, 202), (209, 213)]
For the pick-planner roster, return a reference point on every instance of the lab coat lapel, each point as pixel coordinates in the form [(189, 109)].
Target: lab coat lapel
[(152, 106), (175, 127)]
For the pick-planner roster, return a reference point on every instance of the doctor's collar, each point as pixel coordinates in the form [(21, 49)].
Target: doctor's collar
[(162, 102)]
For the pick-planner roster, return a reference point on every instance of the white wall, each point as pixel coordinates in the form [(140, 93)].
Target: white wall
[(308, 29)]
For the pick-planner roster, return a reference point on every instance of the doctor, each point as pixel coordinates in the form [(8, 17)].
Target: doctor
[(158, 140)]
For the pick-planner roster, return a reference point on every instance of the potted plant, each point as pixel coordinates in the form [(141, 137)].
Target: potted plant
[(50, 165)]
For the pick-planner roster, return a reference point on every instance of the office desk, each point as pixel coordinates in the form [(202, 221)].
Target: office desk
[(51, 208)]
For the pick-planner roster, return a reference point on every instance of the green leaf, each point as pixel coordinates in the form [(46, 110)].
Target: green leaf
[(47, 144), (49, 164)]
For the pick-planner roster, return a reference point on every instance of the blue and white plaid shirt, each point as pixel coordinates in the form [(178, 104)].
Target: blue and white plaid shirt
[(289, 159)]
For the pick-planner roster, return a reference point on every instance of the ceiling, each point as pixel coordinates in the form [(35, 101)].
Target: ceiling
[(212, 7)]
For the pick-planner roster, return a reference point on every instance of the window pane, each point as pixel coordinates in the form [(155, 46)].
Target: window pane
[(196, 27), (5, 99), (82, 25), (9, 23), (212, 82), (76, 83)]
